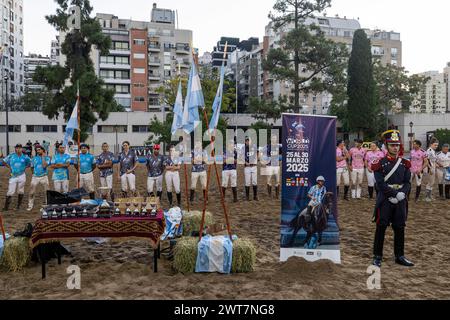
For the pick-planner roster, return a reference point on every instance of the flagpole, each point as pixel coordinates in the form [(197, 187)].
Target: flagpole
[(222, 196), (184, 155), (79, 134)]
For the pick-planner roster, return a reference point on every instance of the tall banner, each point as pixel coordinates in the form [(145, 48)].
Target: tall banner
[(309, 216)]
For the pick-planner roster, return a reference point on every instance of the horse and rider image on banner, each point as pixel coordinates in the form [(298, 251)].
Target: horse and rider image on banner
[(309, 214)]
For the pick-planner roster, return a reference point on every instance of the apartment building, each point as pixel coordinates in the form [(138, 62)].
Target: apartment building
[(31, 62), (386, 46), (55, 52), (12, 46), (434, 95)]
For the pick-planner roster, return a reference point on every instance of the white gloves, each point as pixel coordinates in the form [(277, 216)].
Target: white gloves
[(401, 196), (393, 200)]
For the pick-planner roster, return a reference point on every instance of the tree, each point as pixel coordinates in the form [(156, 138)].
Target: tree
[(268, 112), (322, 60), (395, 87), (161, 131), (361, 90), (443, 135), (79, 69)]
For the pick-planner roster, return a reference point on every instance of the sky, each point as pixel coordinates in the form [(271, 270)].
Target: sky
[(422, 25)]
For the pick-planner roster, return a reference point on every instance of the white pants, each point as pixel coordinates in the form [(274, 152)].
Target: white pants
[(35, 182), (229, 176), (61, 186), (173, 180), (87, 182), (128, 180), (152, 181), (418, 177), (431, 178), (106, 182), (273, 171), (195, 176), (370, 178), (17, 183), (440, 176), (357, 180), (342, 173), (251, 176)]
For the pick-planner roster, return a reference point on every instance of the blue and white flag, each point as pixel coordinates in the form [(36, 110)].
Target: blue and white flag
[(217, 104), (178, 111), (72, 125), (215, 254), (194, 100)]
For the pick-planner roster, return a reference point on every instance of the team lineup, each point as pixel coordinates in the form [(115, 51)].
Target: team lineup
[(160, 169)]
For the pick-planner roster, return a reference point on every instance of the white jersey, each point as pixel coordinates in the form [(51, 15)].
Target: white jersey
[(432, 157), (443, 159)]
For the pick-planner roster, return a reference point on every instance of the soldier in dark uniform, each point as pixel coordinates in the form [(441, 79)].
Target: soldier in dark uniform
[(393, 176)]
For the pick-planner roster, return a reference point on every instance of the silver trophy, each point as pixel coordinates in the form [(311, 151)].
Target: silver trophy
[(44, 214)]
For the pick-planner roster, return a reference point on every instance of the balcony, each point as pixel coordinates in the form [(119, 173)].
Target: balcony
[(119, 52), (154, 47), (154, 76), (154, 62), (115, 66), (180, 49)]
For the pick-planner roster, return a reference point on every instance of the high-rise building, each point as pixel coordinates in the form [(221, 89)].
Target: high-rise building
[(386, 46), (55, 52), (144, 55), (11, 42), (433, 96), (31, 62)]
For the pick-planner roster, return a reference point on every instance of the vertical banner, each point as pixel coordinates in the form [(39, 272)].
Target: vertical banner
[(309, 152)]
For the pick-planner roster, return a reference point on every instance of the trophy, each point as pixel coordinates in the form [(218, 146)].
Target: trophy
[(144, 209), (117, 211), (85, 213), (54, 214), (44, 214), (64, 213), (128, 211), (74, 213), (136, 209)]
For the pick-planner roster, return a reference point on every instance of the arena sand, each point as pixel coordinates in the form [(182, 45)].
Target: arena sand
[(124, 270)]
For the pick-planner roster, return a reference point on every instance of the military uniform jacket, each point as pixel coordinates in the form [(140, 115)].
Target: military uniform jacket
[(401, 177)]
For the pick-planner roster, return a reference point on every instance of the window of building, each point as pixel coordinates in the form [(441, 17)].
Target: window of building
[(153, 102), (120, 45), (394, 52), (40, 128), (107, 59), (139, 42), (394, 62), (139, 85), (122, 60), (12, 128), (124, 102), (167, 73), (112, 129), (139, 56), (139, 99), (141, 129), (139, 70)]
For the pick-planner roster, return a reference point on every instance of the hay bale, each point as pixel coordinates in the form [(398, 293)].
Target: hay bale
[(16, 254), (192, 221), (244, 256), (185, 255)]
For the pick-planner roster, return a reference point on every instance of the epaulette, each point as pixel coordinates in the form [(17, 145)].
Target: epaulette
[(406, 163)]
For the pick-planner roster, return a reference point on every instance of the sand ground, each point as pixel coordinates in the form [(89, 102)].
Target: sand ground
[(124, 270)]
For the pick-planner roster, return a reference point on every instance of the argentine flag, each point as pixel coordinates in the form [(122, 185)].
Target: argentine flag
[(72, 125), (178, 111), (217, 104), (194, 100)]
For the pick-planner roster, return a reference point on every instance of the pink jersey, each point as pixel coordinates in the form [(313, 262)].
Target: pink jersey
[(372, 156), (357, 158), (417, 157), (343, 163)]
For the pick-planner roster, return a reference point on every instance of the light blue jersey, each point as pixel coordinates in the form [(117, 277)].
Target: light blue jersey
[(38, 167), (18, 164), (317, 193), (61, 174), (87, 161)]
